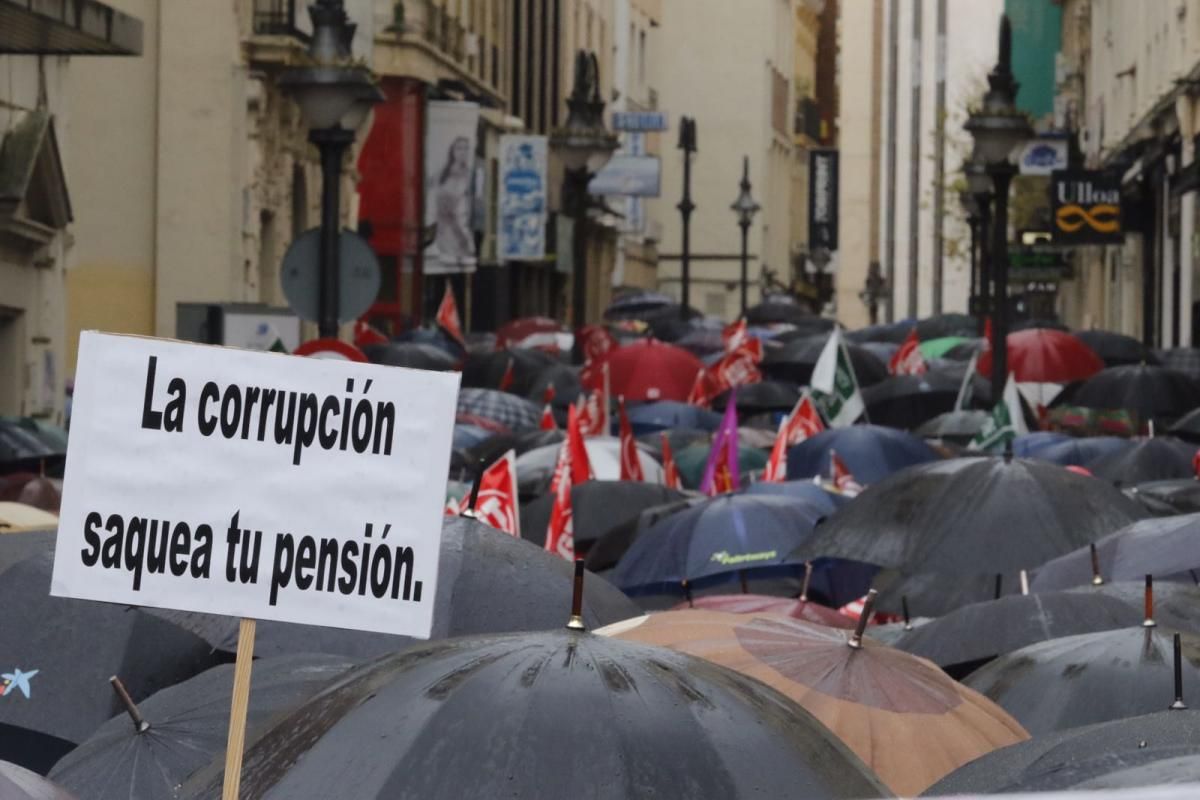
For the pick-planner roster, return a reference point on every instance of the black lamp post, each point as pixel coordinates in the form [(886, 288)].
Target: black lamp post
[(979, 189), (687, 143), (971, 211), (998, 129), (584, 145), (745, 208), (335, 95)]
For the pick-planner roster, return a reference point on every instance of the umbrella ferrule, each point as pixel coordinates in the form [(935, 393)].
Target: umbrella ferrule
[(855, 640), (575, 622)]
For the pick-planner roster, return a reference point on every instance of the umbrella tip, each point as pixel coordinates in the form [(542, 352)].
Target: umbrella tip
[(855, 641), (807, 580), (1178, 705), (1097, 580), (904, 608), (1149, 622), (1008, 451), (1024, 582), (139, 722), (575, 623)]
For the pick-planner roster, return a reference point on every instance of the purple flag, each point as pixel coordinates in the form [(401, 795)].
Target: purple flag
[(721, 469)]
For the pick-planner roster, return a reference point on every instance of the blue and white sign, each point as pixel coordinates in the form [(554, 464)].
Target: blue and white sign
[(639, 121), (521, 229), (1043, 155), (636, 176)]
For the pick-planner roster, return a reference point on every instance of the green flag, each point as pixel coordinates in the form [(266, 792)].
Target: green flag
[(1006, 422), (834, 387)]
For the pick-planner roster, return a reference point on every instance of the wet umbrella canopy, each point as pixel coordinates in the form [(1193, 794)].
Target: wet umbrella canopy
[(188, 726), (971, 515), (488, 582), (871, 452), (954, 426), (667, 414), (901, 715), (1176, 604), (1166, 498), (1043, 355), (1092, 677), (18, 783), (764, 396), (597, 507), (411, 355), (1149, 392), (545, 715), (909, 401), (766, 604), (487, 370), (1154, 459), (514, 413), (1116, 348), (794, 361), (1157, 546), (647, 370), (1080, 451)]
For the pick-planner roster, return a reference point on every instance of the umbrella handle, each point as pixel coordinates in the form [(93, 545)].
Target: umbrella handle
[(575, 623), (855, 641), (139, 722)]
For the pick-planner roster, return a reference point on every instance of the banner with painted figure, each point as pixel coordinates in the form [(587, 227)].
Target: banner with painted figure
[(521, 232), (449, 186)]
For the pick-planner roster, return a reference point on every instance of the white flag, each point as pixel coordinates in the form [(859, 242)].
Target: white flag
[(834, 386)]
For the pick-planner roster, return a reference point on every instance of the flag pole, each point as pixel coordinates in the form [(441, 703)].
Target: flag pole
[(237, 714)]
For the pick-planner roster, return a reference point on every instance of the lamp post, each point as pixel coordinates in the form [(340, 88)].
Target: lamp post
[(335, 95), (971, 212), (687, 143), (979, 187), (584, 146), (745, 208), (998, 128)]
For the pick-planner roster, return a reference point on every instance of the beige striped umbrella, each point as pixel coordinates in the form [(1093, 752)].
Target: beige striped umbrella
[(904, 717)]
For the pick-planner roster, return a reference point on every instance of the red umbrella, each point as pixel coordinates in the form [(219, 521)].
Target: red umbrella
[(759, 603), (646, 370), (516, 331), (1044, 355)]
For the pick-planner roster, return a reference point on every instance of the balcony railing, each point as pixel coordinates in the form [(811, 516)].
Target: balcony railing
[(444, 31), (277, 18)]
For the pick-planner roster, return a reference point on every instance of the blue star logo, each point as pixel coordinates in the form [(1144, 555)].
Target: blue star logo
[(16, 680)]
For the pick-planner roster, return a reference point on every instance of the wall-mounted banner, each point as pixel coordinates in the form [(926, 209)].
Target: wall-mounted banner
[(1086, 207), (255, 484), (823, 199), (631, 176), (522, 228), (449, 184)]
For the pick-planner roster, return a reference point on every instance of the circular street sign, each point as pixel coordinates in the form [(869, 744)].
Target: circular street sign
[(334, 349), (358, 275)]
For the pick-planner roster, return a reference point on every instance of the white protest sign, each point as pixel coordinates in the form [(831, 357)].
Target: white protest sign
[(255, 484)]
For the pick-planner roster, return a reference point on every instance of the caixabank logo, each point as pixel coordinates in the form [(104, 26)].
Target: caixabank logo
[(1086, 207)]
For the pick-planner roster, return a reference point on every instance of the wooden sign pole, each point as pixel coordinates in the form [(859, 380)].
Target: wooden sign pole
[(237, 714)]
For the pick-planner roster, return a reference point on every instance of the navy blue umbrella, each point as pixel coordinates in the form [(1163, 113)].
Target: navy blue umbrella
[(1028, 445), (716, 540), (872, 452), (807, 491), (667, 414), (1077, 452)]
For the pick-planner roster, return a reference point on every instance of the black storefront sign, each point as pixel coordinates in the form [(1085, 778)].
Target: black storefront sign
[(1086, 207), (822, 200)]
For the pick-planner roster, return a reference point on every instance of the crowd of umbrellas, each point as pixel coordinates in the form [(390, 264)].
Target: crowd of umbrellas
[(905, 603)]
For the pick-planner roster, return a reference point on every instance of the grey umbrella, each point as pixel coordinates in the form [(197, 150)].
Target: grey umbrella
[(1092, 677), (1160, 546), (1176, 604), (597, 507), (1064, 758), (1165, 498), (971, 515), (186, 727), (1158, 458), (18, 783), (488, 582), (1181, 769), (956, 426), (965, 638), (559, 714)]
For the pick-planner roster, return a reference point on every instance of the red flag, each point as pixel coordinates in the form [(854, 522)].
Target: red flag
[(496, 503), (581, 468), (736, 368), (548, 423), (987, 332), (670, 469), (908, 359), (509, 377), (593, 416), (595, 342), (1196, 464), (548, 393), (776, 469), (841, 477), (804, 421), (631, 466), (733, 335), (447, 316), (365, 334), (560, 533)]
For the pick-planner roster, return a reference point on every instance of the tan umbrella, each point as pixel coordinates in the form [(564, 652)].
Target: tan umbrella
[(900, 714)]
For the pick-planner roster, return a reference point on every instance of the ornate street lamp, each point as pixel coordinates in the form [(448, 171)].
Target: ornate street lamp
[(583, 145), (745, 207), (335, 95), (687, 143), (998, 129), (979, 192)]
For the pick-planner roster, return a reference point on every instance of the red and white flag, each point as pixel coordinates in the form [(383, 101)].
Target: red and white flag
[(841, 477), (560, 533), (365, 334), (548, 423), (736, 368), (509, 377), (593, 413), (908, 359), (804, 421), (447, 316), (496, 503), (733, 335), (670, 469), (631, 466), (595, 343), (581, 467), (776, 469)]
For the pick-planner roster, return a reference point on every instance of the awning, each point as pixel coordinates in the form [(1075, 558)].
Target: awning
[(67, 27)]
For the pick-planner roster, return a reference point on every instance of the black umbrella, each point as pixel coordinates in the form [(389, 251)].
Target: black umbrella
[(954, 426), (498, 444), (187, 726), (1036, 322), (893, 332), (1092, 677), (1157, 546), (1149, 392), (488, 582), (1184, 359), (18, 783), (1116, 349), (1176, 603), (1166, 498), (58, 655), (1060, 759), (757, 398), (557, 715), (973, 634), (608, 550), (670, 323), (909, 401), (774, 311), (513, 412), (949, 324), (1154, 459), (1180, 769), (972, 515), (794, 361), (410, 354), (1187, 427), (937, 594), (487, 370), (565, 381), (596, 508), (632, 303)]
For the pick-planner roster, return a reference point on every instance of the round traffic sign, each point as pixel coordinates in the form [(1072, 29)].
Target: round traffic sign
[(358, 275), (334, 349)]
